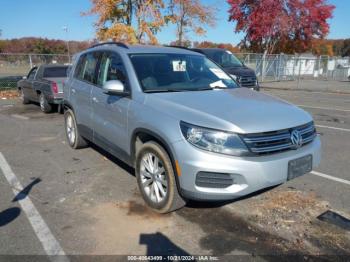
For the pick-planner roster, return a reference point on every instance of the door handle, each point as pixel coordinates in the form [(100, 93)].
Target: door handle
[(95, 99), (73, 91)]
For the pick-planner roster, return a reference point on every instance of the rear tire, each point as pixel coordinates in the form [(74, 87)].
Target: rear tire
[(24, 100), (156, 179), (74, 139), (44, 104), (60, 109)]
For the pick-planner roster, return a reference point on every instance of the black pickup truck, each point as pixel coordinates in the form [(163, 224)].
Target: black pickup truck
[(44, 84)]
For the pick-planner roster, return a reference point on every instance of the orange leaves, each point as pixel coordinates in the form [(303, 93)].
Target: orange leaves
[(207, 44), (191, 15), (118, 32), (149, 19), (139, 20), (322, 47), (116, 19), (107, 10)]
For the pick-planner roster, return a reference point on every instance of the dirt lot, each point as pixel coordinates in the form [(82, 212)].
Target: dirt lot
[(90, 203), (8, 94)]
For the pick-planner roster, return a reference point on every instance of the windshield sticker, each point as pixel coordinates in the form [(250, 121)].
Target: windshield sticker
[(220, 74), (217, 84), (179, 66)]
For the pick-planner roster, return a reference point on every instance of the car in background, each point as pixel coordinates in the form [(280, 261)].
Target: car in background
[(44, 84), (245, 76)]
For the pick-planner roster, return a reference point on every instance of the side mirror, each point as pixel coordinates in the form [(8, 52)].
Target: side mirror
[(114, 87)]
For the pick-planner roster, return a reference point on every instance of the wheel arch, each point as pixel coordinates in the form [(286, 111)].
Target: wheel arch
[(67, 105), (147, 135)]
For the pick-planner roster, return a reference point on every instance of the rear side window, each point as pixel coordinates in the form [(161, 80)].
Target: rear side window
[(86, 68), (78, 73), (55, 71), (32, 74), (111, 68)]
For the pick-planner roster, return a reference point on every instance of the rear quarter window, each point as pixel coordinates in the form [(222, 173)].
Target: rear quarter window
[(86, 67), (55, 71), (78, 73)]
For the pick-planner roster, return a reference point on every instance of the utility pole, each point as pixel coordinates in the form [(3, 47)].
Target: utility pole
[(65, 28)]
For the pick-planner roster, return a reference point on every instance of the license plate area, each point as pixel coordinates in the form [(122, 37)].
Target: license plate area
[(299, 167)]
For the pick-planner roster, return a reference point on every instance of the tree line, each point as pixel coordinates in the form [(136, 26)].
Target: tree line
[(271, 26), (36, 45), (337, 47)]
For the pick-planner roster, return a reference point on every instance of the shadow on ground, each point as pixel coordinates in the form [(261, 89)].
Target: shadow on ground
[(112, 158), (8, 215), (158, 244), (25, 192)]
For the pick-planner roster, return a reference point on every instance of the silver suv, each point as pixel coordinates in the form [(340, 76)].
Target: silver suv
[(184, 124)]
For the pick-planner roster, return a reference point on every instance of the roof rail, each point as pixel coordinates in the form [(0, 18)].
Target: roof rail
[(178, 46), (111, 43)]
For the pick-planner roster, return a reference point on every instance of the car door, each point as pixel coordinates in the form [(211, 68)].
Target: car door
[(81, 88), (27, 85), (110, 111)]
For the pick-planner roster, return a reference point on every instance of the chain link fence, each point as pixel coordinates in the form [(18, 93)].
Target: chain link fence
[(268, 68), (282, 67), (14, 66)]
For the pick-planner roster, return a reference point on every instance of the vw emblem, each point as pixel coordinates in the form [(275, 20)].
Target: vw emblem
[(296, 139)]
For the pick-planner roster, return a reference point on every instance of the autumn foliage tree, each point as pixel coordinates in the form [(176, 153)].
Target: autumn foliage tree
[(130, 21), (191, 16), (280, 25), (207, 44), (322, 47)]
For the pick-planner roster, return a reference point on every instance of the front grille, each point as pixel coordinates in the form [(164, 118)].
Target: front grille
[(247, 81), (278, 141), (213, 180)]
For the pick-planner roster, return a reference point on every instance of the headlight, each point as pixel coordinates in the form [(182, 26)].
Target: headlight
[(214, 140)]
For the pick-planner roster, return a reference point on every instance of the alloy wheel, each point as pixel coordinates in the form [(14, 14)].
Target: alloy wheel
[(42, 102), (153, 178), (70, 129)]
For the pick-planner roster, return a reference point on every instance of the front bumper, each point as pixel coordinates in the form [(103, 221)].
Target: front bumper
[(250, 174), (255, 87)]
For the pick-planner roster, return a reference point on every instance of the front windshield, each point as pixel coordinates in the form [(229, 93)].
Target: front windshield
[(227, 59), (178, 72)]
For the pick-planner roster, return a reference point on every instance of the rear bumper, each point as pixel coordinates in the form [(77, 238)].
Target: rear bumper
[(249, 174), (56, 99)]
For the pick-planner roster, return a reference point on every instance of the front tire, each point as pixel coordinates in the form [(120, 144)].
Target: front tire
[(156, 179), (74, 139), (44, 104)]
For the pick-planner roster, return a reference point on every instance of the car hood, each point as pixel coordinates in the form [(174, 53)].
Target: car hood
[(240, 71), (238, 110)]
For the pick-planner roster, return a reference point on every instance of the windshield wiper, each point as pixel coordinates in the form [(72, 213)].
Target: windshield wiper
[(201, 89), (176, 90), (161, 90), (219, 87)]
